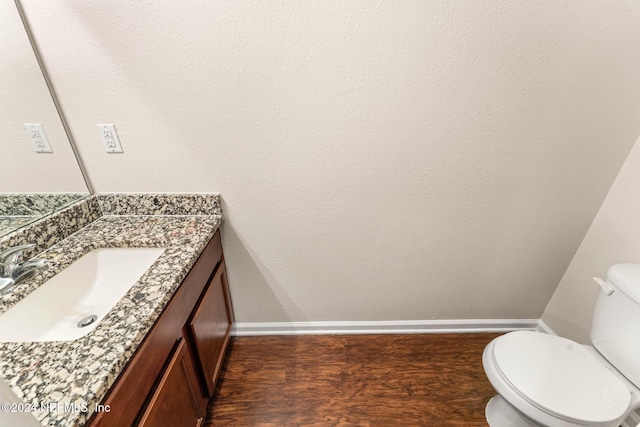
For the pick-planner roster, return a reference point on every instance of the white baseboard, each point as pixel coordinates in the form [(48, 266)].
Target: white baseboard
[(384, 327), (544, 328)]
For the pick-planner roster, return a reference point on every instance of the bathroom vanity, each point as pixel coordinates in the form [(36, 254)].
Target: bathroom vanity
[(172, 376), (156, 354)]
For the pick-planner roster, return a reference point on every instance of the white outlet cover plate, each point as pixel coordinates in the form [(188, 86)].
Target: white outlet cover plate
[(110, 138), (36, 134)]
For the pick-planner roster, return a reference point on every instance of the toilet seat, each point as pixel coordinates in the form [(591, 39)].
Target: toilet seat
[(558, 377)]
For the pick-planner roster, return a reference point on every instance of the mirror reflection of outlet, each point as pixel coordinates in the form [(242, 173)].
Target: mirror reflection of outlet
[(110, 138)]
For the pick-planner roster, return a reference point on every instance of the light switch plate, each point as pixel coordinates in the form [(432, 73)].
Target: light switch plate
[(36, 134), (110, 138)]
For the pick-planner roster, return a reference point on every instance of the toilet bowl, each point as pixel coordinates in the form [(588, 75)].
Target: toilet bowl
[(552, 381), (547, 380)]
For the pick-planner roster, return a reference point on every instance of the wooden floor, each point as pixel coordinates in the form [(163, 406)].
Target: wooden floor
[(353, 380)]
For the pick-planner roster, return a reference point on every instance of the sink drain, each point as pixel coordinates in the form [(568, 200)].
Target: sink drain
[(87, 321)]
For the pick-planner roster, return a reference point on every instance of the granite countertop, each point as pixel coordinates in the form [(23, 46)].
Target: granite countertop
[(10, 223), (79, 373)]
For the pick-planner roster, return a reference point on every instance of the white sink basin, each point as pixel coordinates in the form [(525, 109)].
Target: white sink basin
[(91, 286)]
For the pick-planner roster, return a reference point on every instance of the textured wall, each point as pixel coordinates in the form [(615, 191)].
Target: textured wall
[(377, 160), (24, 98), (613, 237)]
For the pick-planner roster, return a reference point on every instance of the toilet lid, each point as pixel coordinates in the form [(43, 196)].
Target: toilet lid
[(560, 377)]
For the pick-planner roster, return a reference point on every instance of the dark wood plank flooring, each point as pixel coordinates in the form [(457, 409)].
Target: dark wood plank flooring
[(353, 380)]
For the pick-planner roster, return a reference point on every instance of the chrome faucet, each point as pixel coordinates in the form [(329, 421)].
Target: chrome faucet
[(13, 267)]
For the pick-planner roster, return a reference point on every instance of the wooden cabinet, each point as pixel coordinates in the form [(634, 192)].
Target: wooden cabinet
[(210, 328), (173, 372), (174, 402)]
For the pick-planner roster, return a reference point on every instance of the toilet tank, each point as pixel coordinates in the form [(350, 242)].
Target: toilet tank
[(615, 331)]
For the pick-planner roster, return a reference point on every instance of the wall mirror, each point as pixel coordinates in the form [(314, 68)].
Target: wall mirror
[(32, 184)]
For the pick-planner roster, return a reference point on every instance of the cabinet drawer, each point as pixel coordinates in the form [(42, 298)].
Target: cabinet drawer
[(210, 327), (175, 402)]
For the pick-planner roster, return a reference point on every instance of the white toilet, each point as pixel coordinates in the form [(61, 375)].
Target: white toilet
[(546, 380)]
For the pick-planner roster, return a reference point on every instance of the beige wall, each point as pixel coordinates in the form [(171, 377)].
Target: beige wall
[(613, 237), (377, 160)]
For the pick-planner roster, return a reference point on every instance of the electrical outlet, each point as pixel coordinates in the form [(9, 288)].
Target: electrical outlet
[(36, 134), (110, 138)]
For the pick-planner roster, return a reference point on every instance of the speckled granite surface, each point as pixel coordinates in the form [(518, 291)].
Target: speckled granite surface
[(36, 203), (11, 223), (160, 204), (18, 210), (50, 230), (80, 372)]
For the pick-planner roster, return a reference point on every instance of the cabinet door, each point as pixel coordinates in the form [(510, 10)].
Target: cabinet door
[(211, 327), (174, 401)]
